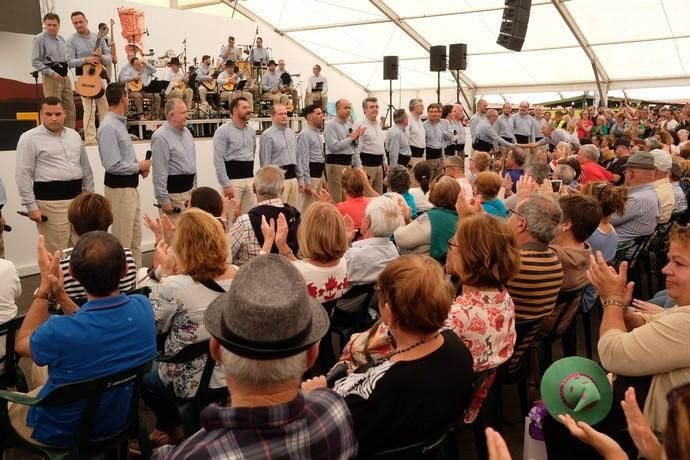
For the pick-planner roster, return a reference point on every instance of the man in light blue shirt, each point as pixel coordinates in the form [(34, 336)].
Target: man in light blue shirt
[(82, 50), (49, 58), (270, 85), (311, 156), (278, 146), (122, 171), (341, 147), (397, 145), (173, 160), (523, 124), (139, 71)]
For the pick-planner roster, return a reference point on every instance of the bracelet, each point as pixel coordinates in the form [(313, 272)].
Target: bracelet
[(608, 302), (287, 254), (39, 296)]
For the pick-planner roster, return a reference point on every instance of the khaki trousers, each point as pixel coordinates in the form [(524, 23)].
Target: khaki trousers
[(126, 218), (244, 193), (334, 175), (62, 90), (290, 191), (277, 98), (375, 174), (138, 98), (91, 105), (308, 199), (57, 231), (18, 412), (414, 161), (178, 200), (230, 95), (309, 100), (187, 95)]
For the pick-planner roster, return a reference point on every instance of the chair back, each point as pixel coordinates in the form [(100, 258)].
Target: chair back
[(630, 250), (189, 353), (366, 292), (565, 309), (92, 391), (12, 376), (525, 332), (436, 448)]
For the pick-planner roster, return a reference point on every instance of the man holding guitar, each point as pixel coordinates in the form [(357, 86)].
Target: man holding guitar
[(137, 76), (205, 78), (89, 54), (178, 83), (49, 57)]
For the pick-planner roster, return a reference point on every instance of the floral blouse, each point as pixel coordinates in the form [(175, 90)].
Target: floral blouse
[(179, 305), (324, 283)]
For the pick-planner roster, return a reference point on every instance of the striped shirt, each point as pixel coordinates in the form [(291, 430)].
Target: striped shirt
[(313, 426), (535, 288), (75, 290)]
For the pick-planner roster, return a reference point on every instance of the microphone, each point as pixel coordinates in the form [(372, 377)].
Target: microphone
[(6, 228), (149, 154), (26, 214), (176, 210), (338, 372), (354, 143)]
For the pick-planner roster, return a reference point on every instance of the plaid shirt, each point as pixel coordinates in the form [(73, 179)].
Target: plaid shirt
[(315, 426), (244, 245), (642, 212)]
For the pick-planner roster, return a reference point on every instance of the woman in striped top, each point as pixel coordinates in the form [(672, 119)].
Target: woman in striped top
[(89, 212)]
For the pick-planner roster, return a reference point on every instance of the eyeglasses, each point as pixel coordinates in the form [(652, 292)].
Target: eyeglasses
[(510, 212)]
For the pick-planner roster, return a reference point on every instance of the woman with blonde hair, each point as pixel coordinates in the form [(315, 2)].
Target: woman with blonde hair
[(195, 273), (354, 184), (323, 240), (424, 384)]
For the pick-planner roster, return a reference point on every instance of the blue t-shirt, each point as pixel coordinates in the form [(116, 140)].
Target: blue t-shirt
[(604, 242), (515, 175), (104, 337), (495, 207)]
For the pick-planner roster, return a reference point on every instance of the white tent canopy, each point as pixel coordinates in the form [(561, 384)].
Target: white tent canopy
[(633, 44)]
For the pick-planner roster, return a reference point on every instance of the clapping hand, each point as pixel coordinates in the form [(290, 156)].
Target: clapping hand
[(639, 429), (609, 283), (166, 256), (269, 233), (155, 226), (524, 186), (465, 208), (607, 447), (350, 227)]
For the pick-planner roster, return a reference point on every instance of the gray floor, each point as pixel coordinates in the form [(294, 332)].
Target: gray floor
[(513, 423)]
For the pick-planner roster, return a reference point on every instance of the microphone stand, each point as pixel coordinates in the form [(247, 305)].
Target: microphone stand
[(184, 53), (38, 95)]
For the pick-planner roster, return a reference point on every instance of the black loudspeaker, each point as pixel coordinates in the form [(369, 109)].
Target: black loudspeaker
[(457, 56), (11, 130), (514, 26), (437, 58), (390, 67)]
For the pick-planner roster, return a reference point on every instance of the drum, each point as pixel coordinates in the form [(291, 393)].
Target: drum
[(246, 68)]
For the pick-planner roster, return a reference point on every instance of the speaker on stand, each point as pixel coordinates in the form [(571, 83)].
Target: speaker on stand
[(457, 60), (437, 63), (390, 73)]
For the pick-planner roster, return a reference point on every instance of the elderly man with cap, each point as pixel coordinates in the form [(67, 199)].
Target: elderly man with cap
[(664, 188), (621, 148), (642, 209), (266, 339), (270, 85)]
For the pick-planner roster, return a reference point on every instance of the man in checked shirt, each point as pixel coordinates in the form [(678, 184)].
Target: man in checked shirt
[(266, 339)]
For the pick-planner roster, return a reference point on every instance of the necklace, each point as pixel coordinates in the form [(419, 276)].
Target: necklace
[(397, 352)]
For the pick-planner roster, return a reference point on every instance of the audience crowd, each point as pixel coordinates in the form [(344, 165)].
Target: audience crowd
[(431, 278)]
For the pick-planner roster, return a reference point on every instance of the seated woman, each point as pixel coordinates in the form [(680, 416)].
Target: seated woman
[(209, 200), (651, 350), (581, 216), (89, 212), (398, 181), (488, 184), (429, 234), (422, 387), (354, 183), (195, 273), (479, 162), (612, 200), (420, 187), (323, 241)]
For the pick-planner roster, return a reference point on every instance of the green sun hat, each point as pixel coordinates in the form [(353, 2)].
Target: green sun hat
[(578, 387)]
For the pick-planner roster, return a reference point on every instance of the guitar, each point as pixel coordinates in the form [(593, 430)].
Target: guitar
[(210, 85), (179, 84), (135, 85), (89, 83)]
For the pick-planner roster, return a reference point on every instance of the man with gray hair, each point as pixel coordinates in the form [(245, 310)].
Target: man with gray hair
[(370, 144), (369, 255), (592, 171), (173, 160), (266, 340), (397, 145), (535, 288), (246, 238), (480, 115), (415, 132), (664, 189), (486, 137)]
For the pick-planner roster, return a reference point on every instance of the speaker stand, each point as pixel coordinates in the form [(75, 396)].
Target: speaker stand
[(438, 87), (391, 107)]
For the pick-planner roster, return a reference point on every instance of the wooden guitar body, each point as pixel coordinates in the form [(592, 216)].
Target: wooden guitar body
[(89, 83)]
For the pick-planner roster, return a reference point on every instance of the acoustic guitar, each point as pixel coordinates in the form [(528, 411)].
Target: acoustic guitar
[(210, 85), (89, 83), (135, 85)]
